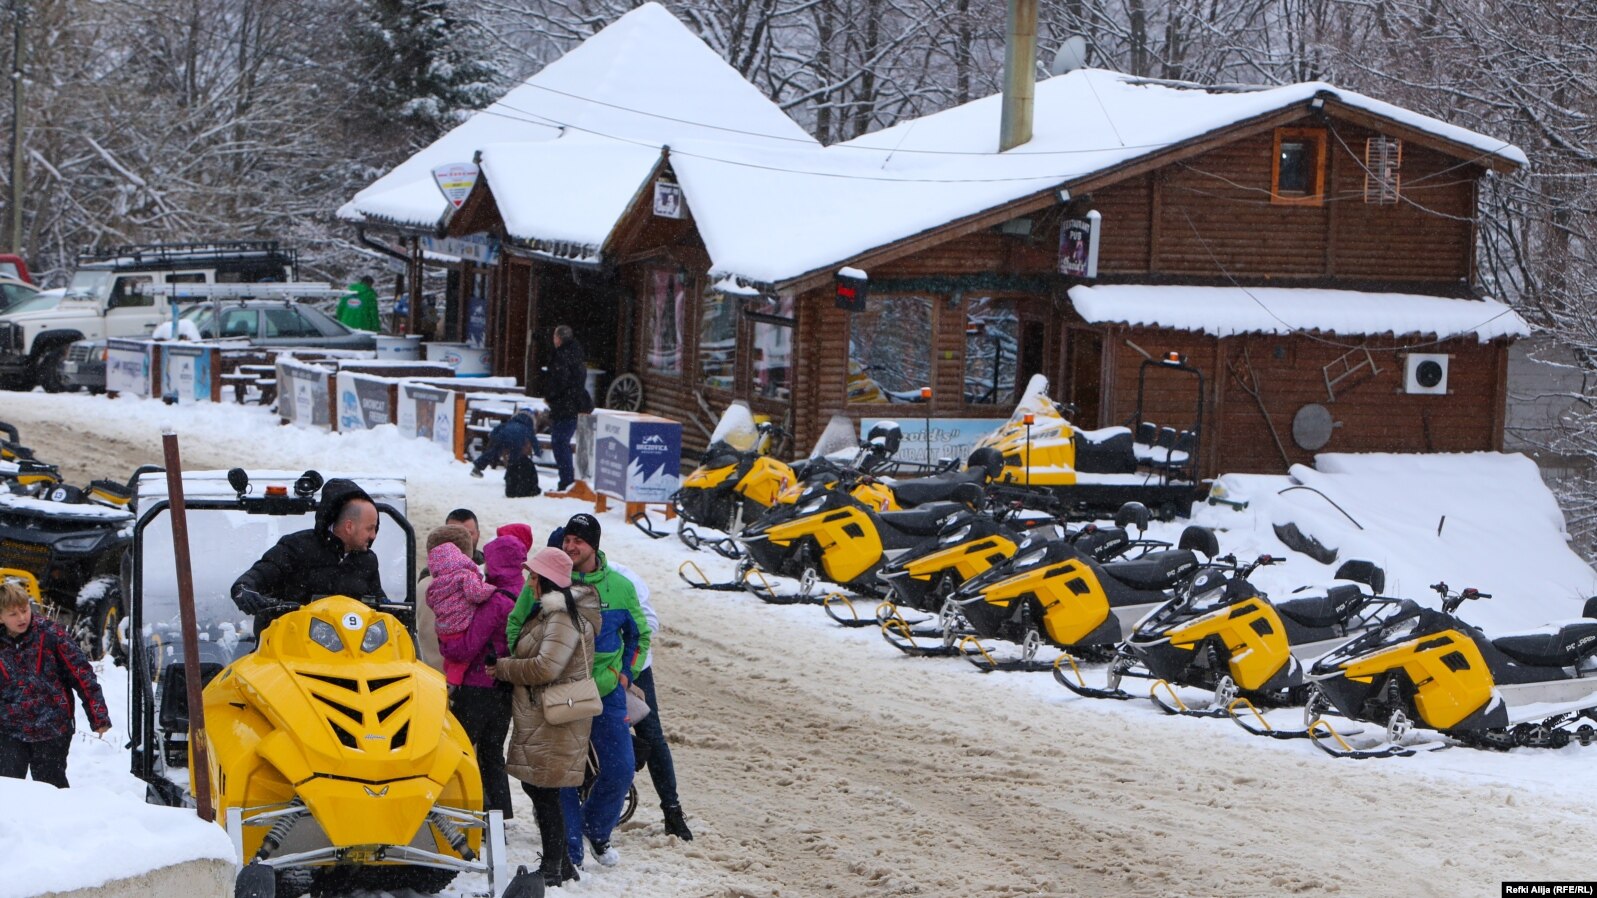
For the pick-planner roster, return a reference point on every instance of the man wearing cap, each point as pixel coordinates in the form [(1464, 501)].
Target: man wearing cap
[(618, 654), (515, 439)]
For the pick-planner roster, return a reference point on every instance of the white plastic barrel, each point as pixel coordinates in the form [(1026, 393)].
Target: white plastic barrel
[(468, 361), (398, 349)]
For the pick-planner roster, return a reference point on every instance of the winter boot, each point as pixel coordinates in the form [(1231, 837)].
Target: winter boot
[(676, 824)]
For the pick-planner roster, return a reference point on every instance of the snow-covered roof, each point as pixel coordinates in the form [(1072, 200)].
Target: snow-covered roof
[(1228, 311), (771, 204), (644, 79), (892, 184)]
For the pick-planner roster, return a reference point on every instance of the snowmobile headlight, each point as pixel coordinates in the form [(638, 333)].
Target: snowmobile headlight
[(958, 535), (376, 635), (812, 506), (323, 634)]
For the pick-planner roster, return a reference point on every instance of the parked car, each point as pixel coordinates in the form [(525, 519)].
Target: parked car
[(14, 292), (276, 322), (83, 367), (263, 322)]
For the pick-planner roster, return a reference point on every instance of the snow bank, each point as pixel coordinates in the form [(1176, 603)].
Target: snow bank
[(1477, 519)]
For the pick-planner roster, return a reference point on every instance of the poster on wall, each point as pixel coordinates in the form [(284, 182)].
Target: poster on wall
[(1078, 246), (127, 367), (477, 320), (950, 437), (668, 200)]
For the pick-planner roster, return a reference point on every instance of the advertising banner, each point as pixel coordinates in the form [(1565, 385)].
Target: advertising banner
[(636, 458), (302, 393), (427, 413), (127, 367), (364, 402), (950, 437), (186, 372)]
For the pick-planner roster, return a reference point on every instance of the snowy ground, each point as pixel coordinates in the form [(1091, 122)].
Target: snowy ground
[(818, 761)]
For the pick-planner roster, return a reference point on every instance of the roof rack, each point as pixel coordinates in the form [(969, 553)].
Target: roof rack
[(267, 290), (156, 253)]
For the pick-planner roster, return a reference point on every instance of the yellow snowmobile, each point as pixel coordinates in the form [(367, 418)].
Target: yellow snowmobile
[(1093, 473), (1428, 673), (333, 761), (332, 751)]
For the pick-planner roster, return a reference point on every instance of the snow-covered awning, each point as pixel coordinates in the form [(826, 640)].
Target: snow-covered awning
[(644, 80), (1229, 311), (572, 190)]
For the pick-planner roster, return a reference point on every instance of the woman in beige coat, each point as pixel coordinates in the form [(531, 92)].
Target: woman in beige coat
[(554, 645)]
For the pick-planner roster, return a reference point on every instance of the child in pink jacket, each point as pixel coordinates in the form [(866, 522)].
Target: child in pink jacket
[(455, 591)]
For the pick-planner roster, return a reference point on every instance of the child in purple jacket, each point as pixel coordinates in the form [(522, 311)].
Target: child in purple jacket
[(478, 701)]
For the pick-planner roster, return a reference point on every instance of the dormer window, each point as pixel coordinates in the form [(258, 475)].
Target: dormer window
[(1297, 171)]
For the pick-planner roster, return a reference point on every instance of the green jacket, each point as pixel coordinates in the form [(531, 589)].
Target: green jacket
[(623, 632), (357, 309)]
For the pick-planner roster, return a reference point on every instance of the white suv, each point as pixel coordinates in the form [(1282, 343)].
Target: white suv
[(109, 297)]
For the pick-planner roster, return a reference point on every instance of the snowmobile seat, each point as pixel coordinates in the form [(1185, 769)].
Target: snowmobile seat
[(1156, 570), (1147, 432), (1102, 542), (940, 488), (1322, 611), (926, 520), (1108, 451), (1563, 648)]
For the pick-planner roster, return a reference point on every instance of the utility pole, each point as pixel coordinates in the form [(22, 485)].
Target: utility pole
[(18, 15)]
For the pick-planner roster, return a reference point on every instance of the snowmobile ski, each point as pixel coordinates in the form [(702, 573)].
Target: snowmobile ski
[(642, 521), (1225, 693), (694, 576), (983, 661), (832, 601), (1079, 685)]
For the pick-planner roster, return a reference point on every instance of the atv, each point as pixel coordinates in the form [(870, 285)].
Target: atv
[(332, 759), (73, 542)]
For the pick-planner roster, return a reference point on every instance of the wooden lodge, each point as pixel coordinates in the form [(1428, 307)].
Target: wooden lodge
[(1310, 251)]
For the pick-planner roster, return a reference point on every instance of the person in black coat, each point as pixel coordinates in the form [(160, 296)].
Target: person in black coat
[(332, 558), (568, 397)]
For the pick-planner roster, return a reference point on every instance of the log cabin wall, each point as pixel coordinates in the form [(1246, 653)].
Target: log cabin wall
[(1288, 372)]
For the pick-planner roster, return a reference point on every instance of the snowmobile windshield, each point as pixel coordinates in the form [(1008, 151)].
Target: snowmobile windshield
[(1404, 623), (736, 428), (839, 441), (224, 543)]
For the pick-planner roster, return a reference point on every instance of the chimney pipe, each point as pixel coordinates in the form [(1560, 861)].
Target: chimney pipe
[(1020, 74)]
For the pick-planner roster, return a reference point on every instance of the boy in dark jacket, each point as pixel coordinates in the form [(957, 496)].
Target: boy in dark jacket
[(40, 668)]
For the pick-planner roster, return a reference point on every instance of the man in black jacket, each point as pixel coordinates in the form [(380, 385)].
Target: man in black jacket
[(567, 397), (332, 558)]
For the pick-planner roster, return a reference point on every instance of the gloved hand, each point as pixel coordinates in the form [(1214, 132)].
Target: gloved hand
[(249, 601)]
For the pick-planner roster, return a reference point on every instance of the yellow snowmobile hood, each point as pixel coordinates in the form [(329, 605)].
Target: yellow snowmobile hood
[(335, 708)]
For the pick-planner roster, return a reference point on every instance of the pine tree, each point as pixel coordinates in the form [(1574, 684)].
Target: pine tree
[(414, 75)]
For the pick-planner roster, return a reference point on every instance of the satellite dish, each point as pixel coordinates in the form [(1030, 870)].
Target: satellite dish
[(1071, 55), (1312, 426)]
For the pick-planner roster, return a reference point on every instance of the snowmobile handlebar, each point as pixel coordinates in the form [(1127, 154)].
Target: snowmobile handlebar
[(1451, 600)]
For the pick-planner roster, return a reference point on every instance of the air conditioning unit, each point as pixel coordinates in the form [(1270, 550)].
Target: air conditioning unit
[(1425, 373)]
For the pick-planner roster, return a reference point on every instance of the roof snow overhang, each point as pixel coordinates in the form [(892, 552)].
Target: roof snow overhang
[(1236, 311)]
